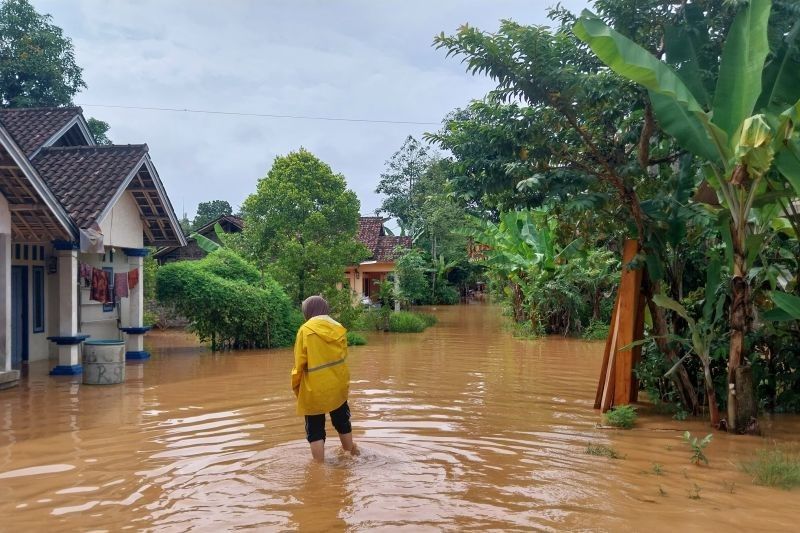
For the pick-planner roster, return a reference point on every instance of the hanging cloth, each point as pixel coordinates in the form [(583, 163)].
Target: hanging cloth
[(91, 240), (120, 285), (85, 274), (100, 291), (133, 278)]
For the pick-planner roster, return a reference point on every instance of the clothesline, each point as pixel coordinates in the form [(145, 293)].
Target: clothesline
[(100, 282)]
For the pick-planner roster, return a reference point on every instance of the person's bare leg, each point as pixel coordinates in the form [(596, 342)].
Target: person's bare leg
[(318, 450), (348, 444)]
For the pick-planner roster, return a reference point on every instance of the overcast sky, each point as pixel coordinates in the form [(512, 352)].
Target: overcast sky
[(351, 59)]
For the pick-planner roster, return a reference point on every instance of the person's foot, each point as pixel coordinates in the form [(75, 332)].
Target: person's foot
[(355, 451)]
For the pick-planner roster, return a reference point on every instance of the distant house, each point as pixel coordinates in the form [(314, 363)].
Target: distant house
[(365, 277), (192, 252), (66, 204)]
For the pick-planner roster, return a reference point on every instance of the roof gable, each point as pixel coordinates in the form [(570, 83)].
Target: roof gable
[(85, 179), (32, 128), (383, 247)]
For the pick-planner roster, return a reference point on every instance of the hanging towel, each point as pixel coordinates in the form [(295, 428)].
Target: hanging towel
[(100, 292), (86, 274), (121, 285), (133, 278)]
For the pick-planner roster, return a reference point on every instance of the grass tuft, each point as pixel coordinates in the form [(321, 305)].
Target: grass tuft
[(355, 339), (775, 468), (601, 450)]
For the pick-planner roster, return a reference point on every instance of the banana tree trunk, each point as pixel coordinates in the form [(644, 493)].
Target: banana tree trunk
[(739, 322), (711, 395)]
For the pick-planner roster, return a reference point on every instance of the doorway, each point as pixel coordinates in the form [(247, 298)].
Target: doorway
[(19, 316)]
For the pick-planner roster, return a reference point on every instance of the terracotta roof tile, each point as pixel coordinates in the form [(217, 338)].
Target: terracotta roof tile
[(85, 178), (382, 246), (32, 127)]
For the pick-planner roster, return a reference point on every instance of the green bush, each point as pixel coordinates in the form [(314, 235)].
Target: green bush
[(623, 416), (596, 331), (447, 295), (229, 302), (775, 468), (428, 319), (405, 322), (355, 339)]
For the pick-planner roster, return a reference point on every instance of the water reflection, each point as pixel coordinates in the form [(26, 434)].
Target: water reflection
[(461, 427)]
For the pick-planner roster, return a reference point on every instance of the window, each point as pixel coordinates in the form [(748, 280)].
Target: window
[(38, 299), (107, 308)]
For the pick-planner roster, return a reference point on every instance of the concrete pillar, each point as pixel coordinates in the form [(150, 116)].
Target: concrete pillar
[(5, 302), (135, 331), (68, 339)]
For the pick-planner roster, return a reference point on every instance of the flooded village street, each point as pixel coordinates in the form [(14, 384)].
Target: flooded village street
[(461, 427)]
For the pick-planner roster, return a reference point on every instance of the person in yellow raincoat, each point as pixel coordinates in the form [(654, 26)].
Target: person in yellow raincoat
[(320, 377)]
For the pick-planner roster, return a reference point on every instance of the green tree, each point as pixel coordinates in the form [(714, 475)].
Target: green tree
[(744, 134), (210, 211), (37, 62), (300, 225), (400, 183), (99, 130), (412, 271)]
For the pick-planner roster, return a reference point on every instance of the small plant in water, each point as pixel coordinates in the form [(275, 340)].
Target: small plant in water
[(694, 492), (697, 446), (729, 486), (602, 450), (775, 468), (623, 416), (658, 469)]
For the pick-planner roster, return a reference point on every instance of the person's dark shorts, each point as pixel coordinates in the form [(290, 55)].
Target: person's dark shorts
[(340, 417)]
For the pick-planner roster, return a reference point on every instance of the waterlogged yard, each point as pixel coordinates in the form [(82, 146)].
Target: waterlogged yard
[(462, 426)]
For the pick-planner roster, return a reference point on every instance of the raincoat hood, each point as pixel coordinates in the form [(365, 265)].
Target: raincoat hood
[(326, 327)]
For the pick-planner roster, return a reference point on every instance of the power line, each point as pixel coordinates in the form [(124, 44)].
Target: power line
[(263, 115)]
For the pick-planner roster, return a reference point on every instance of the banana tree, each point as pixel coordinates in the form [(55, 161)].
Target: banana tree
[(703, 330), (746, 139), (521, 247)]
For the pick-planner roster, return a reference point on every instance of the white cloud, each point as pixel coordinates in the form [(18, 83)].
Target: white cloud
[(348, 58)]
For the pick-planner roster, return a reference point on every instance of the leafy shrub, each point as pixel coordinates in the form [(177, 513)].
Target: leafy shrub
[(370, 320), (623, 416), (447, 295), (697, 446), (775, 468), (355, 339), (596, 331), (228, 302), (411, 269), (405, 322), (342, 307)]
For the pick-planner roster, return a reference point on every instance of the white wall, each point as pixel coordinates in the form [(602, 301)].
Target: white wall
[(93, 320), (122, 226)]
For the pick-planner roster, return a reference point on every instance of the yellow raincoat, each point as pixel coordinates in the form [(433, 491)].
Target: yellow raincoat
[(320, 377)]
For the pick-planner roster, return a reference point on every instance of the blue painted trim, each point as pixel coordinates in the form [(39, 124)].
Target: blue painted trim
[(67, 370), (137, 356), (60, 244), (136, 252), (66, 340), (136, 330)]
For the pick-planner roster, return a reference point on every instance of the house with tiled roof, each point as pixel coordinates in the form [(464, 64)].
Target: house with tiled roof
[(192, 251), (365, 277), (68, 205)]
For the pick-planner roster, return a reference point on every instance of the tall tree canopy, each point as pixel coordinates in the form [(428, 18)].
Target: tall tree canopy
[(37, 62), (301, 224), (210, 211)]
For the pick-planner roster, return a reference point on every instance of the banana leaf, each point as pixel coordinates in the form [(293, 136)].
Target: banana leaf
[(205, 244), (741, 66), (789, 303)]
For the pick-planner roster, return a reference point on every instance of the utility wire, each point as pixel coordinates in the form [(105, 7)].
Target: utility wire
[(262, 115)]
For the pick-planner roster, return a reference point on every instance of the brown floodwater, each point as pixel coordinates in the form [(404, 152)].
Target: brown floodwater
[(461, 427)]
